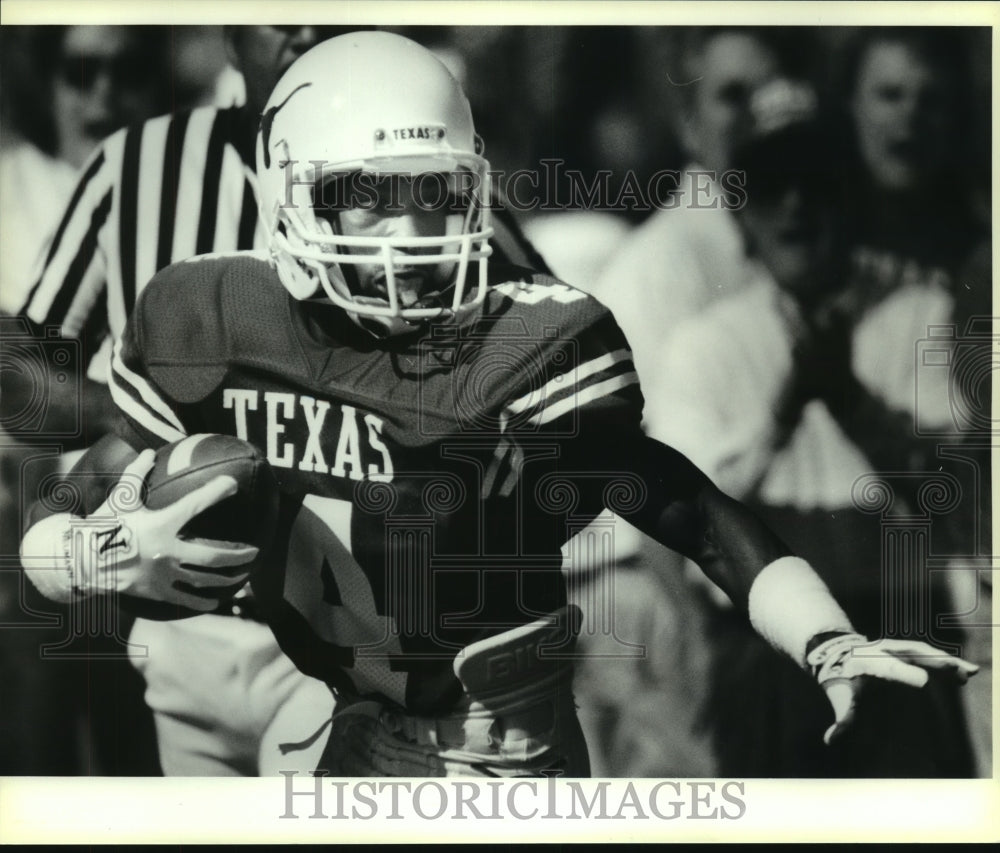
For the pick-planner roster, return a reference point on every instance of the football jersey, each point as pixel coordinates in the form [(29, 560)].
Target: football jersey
[(427, 481)]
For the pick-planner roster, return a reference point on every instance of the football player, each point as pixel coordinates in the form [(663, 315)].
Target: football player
[(437, 425), (100, 258)]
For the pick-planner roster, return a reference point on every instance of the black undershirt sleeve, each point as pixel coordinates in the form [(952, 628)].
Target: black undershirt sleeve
[(684, 511)]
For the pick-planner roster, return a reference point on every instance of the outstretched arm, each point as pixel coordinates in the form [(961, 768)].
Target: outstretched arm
[(787, 602)]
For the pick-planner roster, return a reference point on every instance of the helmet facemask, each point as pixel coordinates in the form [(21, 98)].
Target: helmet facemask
[(388, 282)]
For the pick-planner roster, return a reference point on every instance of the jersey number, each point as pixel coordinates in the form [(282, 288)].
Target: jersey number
[(331, 591)]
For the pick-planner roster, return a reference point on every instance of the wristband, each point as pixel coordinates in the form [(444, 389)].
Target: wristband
[(789, 605), (46, 555), (826, 659)]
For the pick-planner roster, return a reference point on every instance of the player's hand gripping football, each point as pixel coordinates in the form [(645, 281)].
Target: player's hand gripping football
[(140, 552), (841, 663)]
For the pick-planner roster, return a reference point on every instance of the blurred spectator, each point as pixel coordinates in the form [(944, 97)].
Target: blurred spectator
[(102, 78), (689, 253), (920, 253), (916, 147), (66, 88), (755, 385), (907, 91)]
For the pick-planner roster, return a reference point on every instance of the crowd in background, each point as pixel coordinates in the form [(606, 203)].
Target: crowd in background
[(778, 325)]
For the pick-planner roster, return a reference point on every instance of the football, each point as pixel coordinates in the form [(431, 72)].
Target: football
[(248, 516)]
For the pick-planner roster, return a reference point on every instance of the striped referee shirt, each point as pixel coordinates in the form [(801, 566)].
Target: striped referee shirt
[(159, 192)]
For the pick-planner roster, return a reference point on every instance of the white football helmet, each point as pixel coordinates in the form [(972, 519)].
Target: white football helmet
[(377, 105)]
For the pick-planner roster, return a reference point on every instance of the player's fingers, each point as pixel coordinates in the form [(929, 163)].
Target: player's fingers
[(222, 548), (192, 602), (836, 730), (891, 669), (913, 650), (127, 494), (841, 693), (202, 498), (928, 657), (961, 668), (215, 555), (966, 666), (195, 577), (215, 594), (141, 465)]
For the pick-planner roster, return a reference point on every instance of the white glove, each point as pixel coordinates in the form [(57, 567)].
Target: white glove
[(125, 547), (839, 663)]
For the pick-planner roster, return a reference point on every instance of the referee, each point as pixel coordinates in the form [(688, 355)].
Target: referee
[(224, 698)]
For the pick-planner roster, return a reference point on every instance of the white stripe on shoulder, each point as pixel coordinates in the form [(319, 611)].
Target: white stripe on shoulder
[(581, 398), (531, 292), (565, 382), (180, 456), (139, 413), (155, 408), (259, 254)]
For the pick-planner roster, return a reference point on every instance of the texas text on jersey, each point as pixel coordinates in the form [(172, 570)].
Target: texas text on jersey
[(425, 478)]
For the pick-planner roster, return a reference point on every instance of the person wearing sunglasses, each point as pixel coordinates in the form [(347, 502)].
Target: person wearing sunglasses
[(104, 79)]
